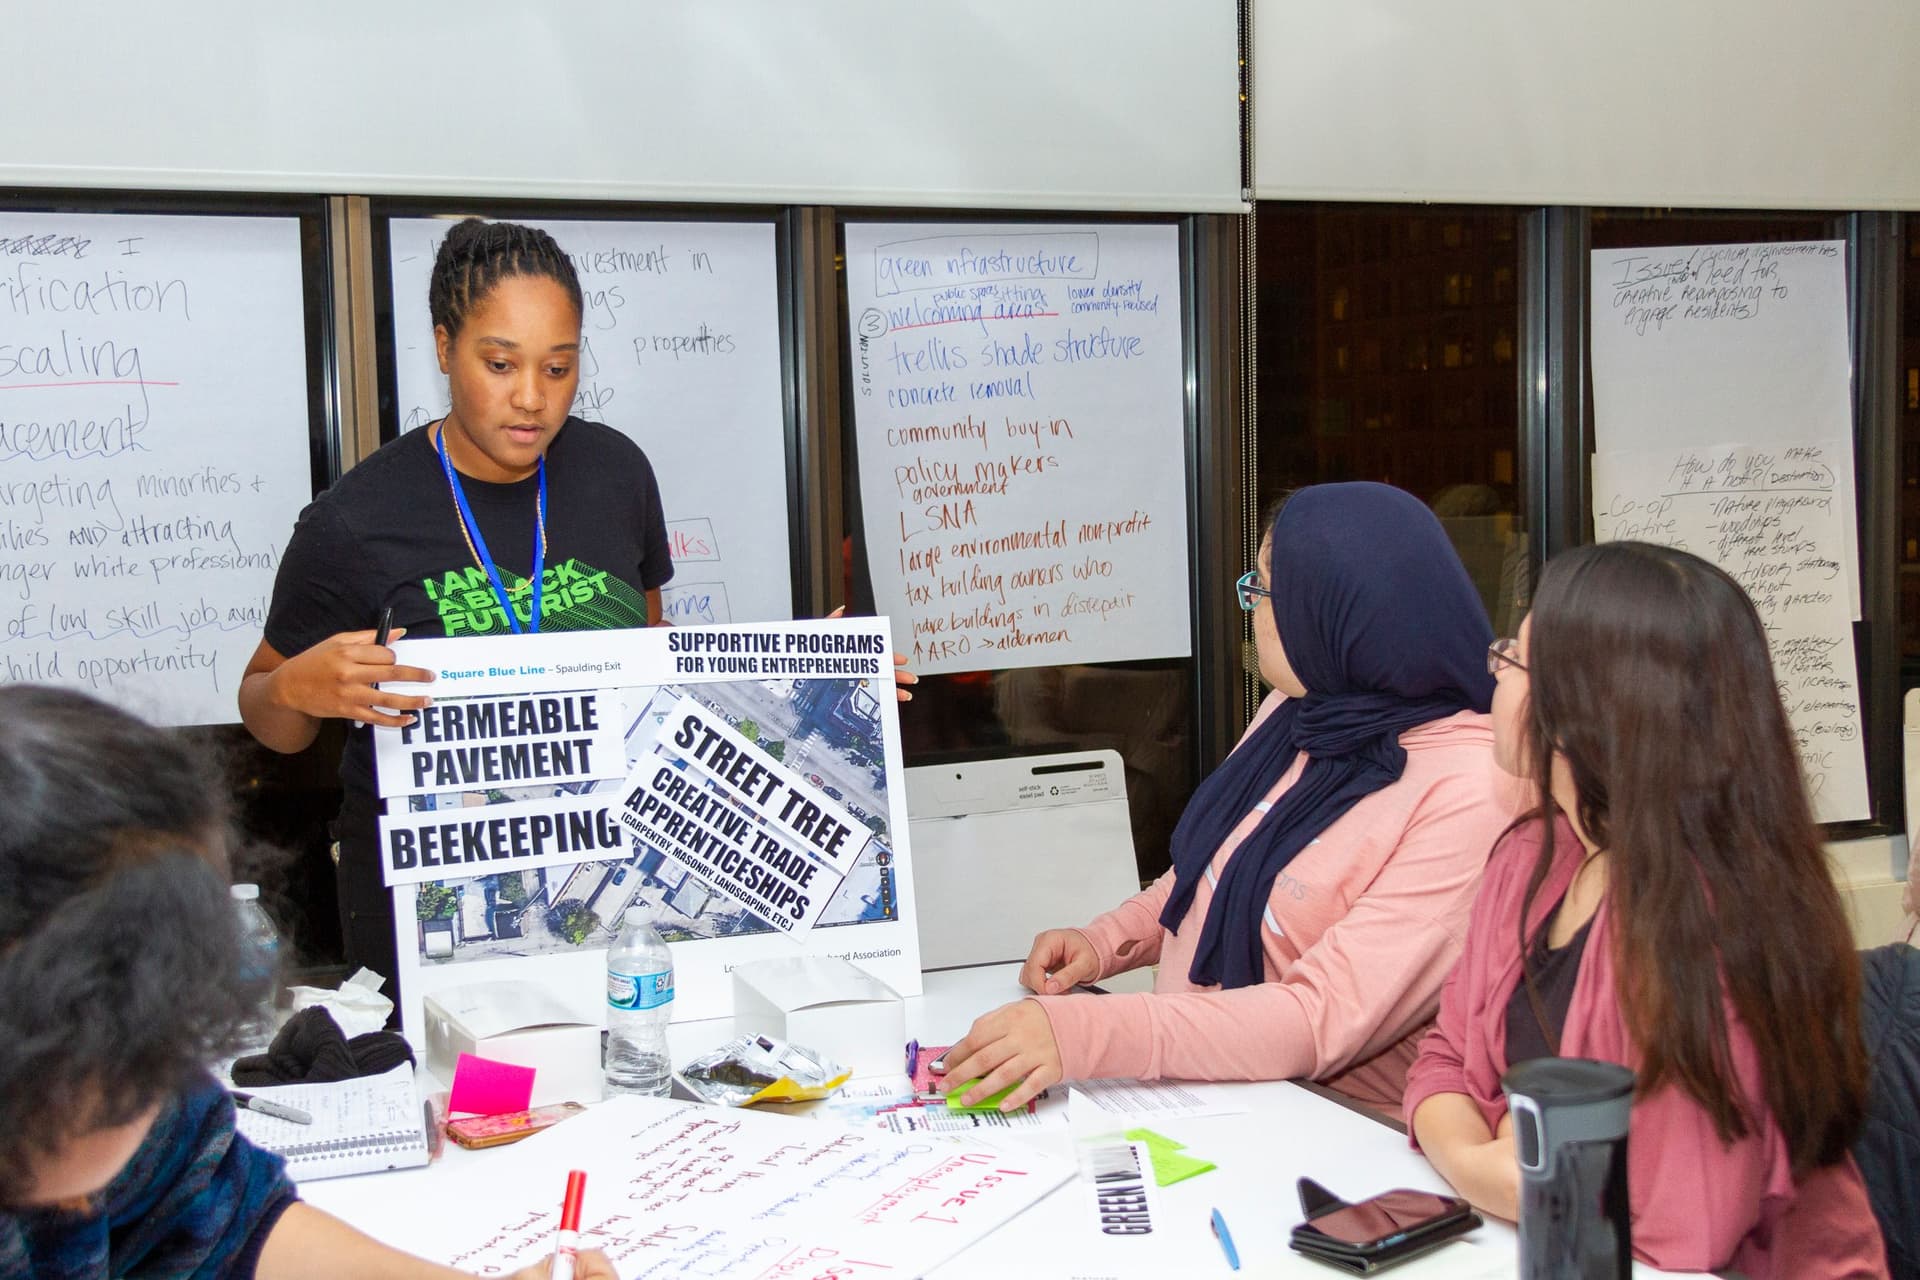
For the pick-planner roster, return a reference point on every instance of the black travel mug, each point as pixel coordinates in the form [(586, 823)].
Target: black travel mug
[(1570, 1130)]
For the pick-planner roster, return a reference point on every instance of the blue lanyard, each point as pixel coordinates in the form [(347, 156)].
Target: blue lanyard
[(478, 543)]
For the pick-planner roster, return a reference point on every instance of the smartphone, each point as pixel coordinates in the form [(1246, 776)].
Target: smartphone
[(476, 1132), (1382, 1230)]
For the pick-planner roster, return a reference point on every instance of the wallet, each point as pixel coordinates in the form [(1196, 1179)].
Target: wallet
[(1367, 1237)]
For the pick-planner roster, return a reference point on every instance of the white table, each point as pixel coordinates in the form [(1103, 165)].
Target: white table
[(1287, 1132)]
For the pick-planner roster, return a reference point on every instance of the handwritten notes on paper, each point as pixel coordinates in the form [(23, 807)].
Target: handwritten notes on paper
[(1771, 518), (153, 450), (1019, 409), (680, 349), (1700, 344), (1723, 426), (679, 1189)]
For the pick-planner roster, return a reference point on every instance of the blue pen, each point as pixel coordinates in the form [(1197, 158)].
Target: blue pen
[(1225, 1238), (913, 1056)]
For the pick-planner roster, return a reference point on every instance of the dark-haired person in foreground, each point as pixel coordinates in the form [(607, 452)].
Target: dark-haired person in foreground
[(121, 970), (1668, 907)]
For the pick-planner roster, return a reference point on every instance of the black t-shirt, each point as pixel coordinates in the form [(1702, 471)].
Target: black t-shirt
[(389, 534), (1554, 970)]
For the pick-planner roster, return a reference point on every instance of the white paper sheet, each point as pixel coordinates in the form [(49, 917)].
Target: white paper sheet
[(1695, 345), (680, 1189), (153, 451), (1094, 1100), (1771, 518), (1019, 400)]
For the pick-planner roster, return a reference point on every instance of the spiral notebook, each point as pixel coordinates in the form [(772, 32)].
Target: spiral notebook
[(359, 1126)]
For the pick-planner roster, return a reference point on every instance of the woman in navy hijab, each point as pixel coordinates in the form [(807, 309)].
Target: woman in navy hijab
[(1323, 874)]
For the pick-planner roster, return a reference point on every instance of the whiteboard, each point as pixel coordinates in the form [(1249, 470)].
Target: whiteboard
[(680, 339), (1763, 104), (1076, 104), (1020, 415), (153, 451)]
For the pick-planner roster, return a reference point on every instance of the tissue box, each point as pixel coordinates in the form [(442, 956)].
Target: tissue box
[(827, 1004), (521, 1023)]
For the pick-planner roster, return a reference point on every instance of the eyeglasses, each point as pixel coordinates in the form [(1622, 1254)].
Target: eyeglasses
[(1501, 653), (1250, 591)]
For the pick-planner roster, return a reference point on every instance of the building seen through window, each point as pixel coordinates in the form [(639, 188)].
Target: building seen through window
[(1388, 344)]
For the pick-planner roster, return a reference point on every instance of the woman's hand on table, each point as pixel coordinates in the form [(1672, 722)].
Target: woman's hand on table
[(1481, 1166), (1491, 1172), (1013, 1045), (1059, 960)]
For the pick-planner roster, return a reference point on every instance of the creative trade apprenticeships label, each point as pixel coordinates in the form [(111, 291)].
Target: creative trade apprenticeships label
[(710, 800)]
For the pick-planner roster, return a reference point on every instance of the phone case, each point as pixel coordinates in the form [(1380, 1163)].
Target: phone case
[(1373, 1257), (477, 1132)]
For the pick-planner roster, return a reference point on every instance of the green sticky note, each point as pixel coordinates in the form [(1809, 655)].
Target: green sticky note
[(1169, 1166), (1156, 1141), (989, 1103)]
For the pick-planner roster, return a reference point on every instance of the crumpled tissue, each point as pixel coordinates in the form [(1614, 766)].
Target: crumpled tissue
[(357, 1006)]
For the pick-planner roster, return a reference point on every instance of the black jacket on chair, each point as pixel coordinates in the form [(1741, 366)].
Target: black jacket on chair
[(1889, 1147)]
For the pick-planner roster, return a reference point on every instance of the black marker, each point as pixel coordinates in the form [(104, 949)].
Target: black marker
[(278, 1110), (380, 634)]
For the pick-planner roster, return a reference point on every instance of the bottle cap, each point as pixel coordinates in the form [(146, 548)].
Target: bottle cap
[(246, 892)]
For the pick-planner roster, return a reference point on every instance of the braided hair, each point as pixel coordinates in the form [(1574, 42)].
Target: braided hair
[(477, 255)]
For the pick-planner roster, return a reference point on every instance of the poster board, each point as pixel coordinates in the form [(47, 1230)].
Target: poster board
[(680, 350), (742, 782), (1020, 415), (153, 450), (685, 1189), (1723, 425)]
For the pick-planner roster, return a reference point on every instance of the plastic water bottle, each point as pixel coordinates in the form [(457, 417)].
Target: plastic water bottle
[(260, 956), (639, 1007)]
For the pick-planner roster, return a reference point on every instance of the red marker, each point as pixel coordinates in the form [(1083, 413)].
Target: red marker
[(566, 1241)]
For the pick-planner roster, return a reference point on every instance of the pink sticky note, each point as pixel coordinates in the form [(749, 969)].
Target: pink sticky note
[(483, 1087)]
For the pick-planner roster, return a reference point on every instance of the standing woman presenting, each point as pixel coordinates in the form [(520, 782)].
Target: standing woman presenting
[(506, 516)]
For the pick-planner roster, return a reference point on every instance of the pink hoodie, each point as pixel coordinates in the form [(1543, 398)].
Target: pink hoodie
[(1361, 928), (1697, 1203)]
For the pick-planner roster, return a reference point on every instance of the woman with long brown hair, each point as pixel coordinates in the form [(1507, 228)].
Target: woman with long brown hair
[(1668, 907)]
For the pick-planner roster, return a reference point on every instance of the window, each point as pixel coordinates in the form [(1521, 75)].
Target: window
[(1386, 345)]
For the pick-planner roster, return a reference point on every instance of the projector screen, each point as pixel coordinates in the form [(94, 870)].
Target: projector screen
[(1079, 104), (1764, 104)]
